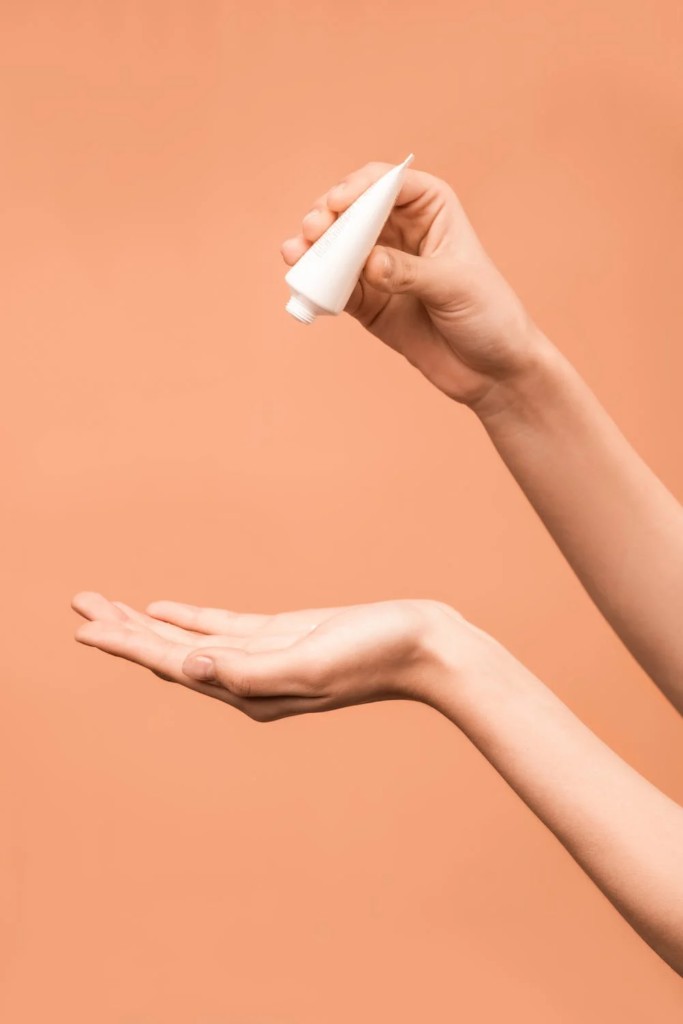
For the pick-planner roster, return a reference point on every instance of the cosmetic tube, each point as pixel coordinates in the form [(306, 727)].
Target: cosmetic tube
[(321, 282)]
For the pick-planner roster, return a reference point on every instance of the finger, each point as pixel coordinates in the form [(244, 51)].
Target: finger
[(166, 660), (216, 621), (317, 220), (137, 645), (92, 605), (293, 249), (165, 629), (355, 299), (176, 634), (413, 185), (397, 272), (292, 672), (207, 620)]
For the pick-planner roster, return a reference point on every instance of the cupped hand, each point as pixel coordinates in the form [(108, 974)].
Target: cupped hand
[(428, 289), (273, 666)]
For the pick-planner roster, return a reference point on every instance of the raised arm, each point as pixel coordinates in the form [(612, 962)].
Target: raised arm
[(430, 291), (618, 526)]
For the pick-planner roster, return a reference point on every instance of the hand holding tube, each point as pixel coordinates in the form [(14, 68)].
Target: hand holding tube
[(428, 288)]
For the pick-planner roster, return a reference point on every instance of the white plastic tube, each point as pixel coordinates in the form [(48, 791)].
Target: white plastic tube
[(321, 282)]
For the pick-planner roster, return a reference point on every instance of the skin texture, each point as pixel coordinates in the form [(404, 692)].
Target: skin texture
[(430, 292)]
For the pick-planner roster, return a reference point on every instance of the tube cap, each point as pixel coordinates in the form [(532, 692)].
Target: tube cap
[(300, 308)]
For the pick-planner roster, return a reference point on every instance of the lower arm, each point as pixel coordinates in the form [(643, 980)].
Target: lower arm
[(615, 522), (626, 834)]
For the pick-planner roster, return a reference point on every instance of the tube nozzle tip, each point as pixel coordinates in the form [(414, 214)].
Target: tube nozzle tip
[(301, 309)]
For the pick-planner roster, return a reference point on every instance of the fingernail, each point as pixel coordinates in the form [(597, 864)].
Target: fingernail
[(386, 264), (202, 669), (311, 213)]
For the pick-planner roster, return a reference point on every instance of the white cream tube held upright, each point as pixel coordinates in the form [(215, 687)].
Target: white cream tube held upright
[(321, 282)]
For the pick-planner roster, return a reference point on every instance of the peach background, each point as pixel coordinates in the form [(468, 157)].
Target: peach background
[(170, 432)]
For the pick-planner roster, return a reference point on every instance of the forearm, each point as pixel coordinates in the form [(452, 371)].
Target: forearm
[(618, 526), (624, 833)]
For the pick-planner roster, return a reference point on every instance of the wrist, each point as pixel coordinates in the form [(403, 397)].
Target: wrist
[(451, 655), (539, 373), (465, 674)]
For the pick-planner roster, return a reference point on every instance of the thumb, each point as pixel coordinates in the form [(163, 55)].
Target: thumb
[(395, 271), (289, 671)]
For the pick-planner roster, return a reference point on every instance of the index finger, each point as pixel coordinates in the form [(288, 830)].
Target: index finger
[(207, 620), (138, 645), (218, 622), (414, 184)]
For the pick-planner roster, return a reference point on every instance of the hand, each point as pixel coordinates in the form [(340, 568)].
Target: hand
[(429, 290), (271, 667)]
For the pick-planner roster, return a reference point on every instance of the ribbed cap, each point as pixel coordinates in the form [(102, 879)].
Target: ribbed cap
[(300, 308)]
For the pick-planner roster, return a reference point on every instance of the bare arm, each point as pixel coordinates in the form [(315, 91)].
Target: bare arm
[(626, 835), (431, 292), (618, 526)]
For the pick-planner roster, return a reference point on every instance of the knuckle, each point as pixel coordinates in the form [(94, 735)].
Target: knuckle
[(312, 224), (342, 183), (406, 273), (240, 683)]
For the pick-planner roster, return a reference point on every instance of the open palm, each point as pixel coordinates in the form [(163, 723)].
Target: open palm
[(271, 666)]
